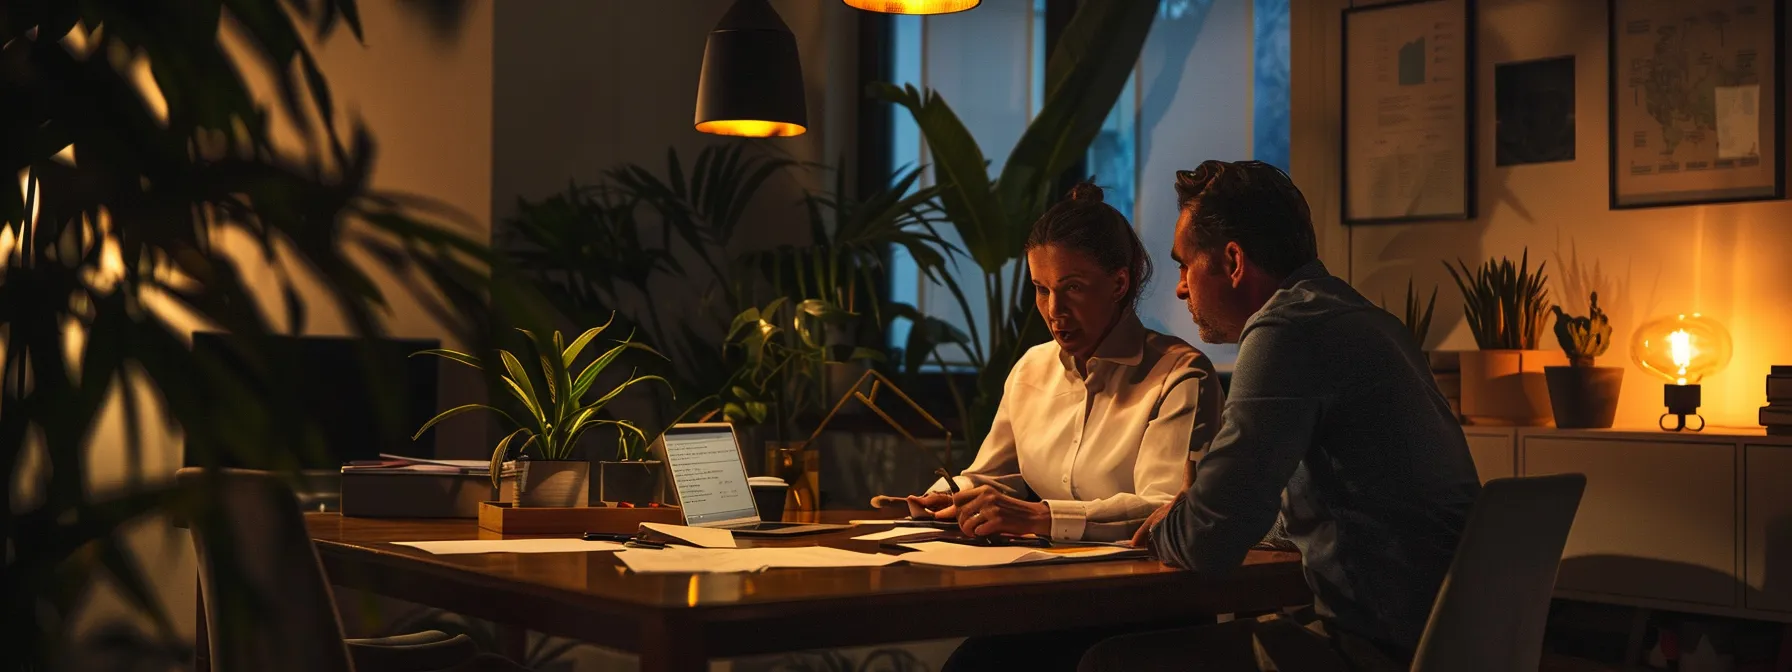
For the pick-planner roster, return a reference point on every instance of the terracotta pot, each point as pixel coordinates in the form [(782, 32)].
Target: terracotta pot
[(1507, 387), (555, 483), (636, 482), (801, 469), (1584, 396)]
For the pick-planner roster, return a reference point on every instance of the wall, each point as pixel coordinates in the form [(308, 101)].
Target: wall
[(1727, 261)]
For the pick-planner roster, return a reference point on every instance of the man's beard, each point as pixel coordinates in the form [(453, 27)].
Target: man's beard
[(1208, 328)]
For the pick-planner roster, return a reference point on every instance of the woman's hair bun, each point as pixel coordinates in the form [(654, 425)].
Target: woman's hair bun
[(1086, 191)]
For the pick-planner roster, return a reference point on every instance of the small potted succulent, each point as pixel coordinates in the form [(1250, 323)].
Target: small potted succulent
[(549, 470), (1580, 394)]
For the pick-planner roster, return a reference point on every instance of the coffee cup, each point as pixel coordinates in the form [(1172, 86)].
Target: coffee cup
[(768, 494)]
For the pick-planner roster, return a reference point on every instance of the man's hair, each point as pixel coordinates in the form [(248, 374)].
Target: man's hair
[(1253, 204)]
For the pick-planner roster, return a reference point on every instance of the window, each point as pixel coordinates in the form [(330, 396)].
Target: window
[(1212, 82)]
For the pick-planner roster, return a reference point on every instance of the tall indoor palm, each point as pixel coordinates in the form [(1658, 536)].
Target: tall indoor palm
[(115, 245), (1086, 72)]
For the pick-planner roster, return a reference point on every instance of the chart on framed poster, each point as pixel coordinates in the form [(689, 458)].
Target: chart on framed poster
[(1695, 102), (1407, 103)]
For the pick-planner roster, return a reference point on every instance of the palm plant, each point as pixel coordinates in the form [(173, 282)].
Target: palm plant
[(114, 250), (1506, 305), (1084, 76), (557, 414)]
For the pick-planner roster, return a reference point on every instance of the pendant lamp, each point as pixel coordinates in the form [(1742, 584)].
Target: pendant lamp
[(752, 81), (913, 6)]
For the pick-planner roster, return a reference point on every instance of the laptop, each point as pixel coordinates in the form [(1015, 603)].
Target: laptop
[(710, 478)]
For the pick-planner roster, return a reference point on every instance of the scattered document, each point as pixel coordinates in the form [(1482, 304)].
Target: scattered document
[(684, 560), (705, 537), (510, 546), (945, 554), (895, 532)]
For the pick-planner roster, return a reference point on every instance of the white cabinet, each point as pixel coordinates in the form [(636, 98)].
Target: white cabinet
[(1658, 520), (1767, 540), (1494, 453)]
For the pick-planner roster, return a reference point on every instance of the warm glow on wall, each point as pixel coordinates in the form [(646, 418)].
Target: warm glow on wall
[(749, 128), (913, 6)]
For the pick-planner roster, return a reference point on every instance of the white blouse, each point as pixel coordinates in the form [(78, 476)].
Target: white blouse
[(1103, 450)]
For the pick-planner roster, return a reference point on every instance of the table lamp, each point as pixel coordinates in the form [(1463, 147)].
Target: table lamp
[(1682, 350)]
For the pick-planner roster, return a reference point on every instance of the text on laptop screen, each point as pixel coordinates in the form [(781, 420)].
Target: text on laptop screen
[(712, 484)]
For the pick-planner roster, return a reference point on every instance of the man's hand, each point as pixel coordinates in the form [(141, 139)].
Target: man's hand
[(932, 506), (983, 511), (1142, 538)]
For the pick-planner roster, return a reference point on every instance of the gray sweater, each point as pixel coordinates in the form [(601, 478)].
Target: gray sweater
[(1331, 400)]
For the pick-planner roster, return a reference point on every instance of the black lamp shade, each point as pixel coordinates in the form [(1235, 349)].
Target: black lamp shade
[(752, 80)]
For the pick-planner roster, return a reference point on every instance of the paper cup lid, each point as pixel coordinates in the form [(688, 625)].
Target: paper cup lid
[(767, 480)]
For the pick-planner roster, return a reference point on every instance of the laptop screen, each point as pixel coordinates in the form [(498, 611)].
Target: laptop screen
[(707, 470)]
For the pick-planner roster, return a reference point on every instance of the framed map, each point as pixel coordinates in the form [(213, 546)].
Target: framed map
[(1697, 102), (1409, 84)]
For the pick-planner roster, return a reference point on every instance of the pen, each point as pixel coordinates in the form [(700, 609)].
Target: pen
[(951, 483)]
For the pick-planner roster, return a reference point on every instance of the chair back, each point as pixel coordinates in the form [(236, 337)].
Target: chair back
[(1490, 613), (268, 607)]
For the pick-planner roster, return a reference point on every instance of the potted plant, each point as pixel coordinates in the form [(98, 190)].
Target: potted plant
[(780, 378), (1506, 306), (1580, 394), (1445, 364), (548, 470)]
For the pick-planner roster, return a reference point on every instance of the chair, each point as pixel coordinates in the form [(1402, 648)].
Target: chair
[(284, 618), (1489, 614)]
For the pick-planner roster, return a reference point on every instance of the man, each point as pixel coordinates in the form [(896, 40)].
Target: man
[(1331, 400)]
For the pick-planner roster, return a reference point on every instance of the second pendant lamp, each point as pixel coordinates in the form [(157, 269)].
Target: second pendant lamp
[(752, 79)]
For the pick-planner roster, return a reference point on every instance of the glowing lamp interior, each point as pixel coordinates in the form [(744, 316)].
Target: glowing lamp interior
[(913, 6), (1681, 349), (748, 128)]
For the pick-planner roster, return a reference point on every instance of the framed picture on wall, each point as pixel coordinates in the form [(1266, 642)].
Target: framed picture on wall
[(1409, 112), (1697, 102)]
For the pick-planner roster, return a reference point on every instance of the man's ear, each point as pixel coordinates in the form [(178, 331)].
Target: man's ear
[(1234, 261)]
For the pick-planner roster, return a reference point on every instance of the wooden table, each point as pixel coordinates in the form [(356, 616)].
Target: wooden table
[(680, 621)]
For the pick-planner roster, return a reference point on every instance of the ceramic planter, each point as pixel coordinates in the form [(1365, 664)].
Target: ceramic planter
[(635, 482), (1507, 387), (555, 483), (1584, 397)]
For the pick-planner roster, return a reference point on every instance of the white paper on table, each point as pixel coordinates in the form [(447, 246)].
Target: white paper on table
[(895, 532), (510, 546), (705, 537), (706, 560), (946, 554)]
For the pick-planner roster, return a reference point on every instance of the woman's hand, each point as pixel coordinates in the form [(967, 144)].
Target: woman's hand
[(932, 506), (983, 511)]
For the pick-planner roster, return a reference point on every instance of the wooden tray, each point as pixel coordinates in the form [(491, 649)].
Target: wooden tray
[(503, 518)]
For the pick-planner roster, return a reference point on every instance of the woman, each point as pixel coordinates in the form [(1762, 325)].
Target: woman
[(1101, 422)]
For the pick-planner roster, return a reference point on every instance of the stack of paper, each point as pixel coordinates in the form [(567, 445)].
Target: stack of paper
[(895, 532), (704, 537), (683, 560), (946, 554)]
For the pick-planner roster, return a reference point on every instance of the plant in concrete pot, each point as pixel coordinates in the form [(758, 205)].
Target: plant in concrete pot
[(1583, 395), (1507, 306), (548, 468)]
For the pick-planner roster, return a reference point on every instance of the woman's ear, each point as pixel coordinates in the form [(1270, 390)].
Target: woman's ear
[(1122, 284)]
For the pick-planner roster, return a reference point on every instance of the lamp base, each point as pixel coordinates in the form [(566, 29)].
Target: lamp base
[(1682, 401)]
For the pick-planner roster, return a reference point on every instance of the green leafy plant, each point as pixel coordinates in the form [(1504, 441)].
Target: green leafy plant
[(1583, 338), (557, 413), (1417, 317), (1085, 74), (145, 154), (1506, 305), (779, 376)]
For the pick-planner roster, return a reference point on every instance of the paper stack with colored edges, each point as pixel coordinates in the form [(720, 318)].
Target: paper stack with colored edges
[(1776, 416)]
